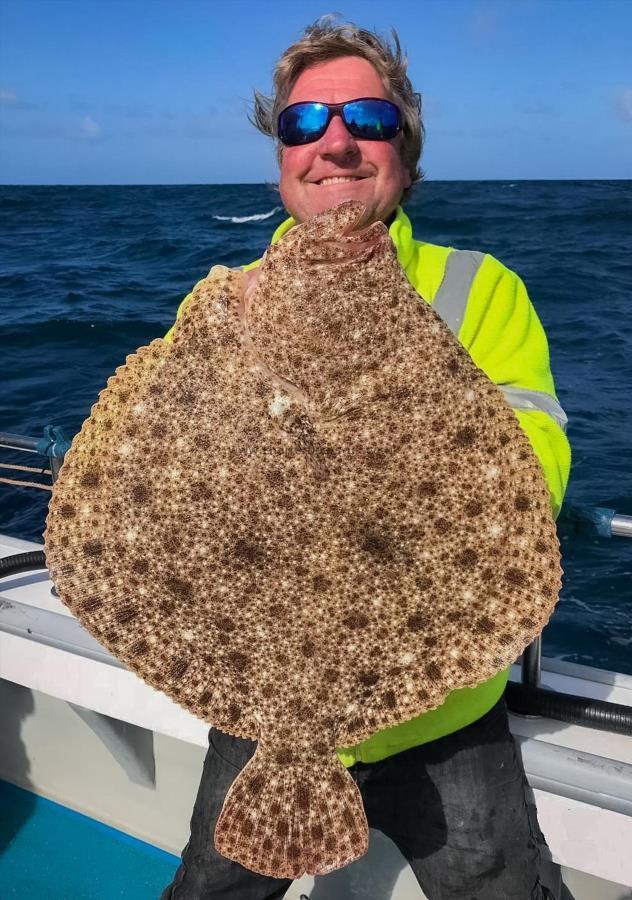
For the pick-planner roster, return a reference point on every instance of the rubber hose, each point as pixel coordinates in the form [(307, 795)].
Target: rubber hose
[(532, 701), (22, 562)]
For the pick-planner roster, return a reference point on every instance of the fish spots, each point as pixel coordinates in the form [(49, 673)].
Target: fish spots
[(417, 621), (93, 549), (356, 621), (91, 604), (90, 479), (368, 679), (202, 442), (423, 582), (522, 502), (293, 851), (284, 756), (140, 565), (390, 700), (433, 671), (467, 558), (256, 783), (320, 583), (225, 624), (473, 508), (126, 614), (376, 545), (179, 588), (515, 577), (540, 546), (139, 647), (442, 525), (375, 459), (140, 493), (233, 713), (465, 437), (338, 779), (67, 511), (248, 553), (348, 818), (427, 489), (237, 660), (179, 667), (302, 796), (464, 664)]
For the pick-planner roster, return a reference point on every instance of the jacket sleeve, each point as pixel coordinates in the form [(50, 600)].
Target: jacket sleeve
[(505, 338)]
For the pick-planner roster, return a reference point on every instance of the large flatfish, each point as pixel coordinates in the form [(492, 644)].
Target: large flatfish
[(308, 518)]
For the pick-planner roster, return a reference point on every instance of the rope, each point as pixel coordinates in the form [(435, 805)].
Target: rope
[(25, 468), (43, 487)]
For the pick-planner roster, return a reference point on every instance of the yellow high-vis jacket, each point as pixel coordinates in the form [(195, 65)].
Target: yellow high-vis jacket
[(488, 309)]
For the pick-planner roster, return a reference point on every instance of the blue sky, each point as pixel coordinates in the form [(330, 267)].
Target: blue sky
[(157, 91)]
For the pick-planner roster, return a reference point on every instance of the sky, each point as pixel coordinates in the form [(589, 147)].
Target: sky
[(158, 91)]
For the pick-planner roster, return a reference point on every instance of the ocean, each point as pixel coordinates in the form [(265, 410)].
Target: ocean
[(88, 274)]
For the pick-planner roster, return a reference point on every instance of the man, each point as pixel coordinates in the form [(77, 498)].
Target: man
[(448, 787)]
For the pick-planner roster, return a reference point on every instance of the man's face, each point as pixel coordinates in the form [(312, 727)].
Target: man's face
[(372, 170)]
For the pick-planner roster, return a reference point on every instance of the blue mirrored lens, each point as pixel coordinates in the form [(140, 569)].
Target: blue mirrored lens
[(302, 123), (372, 119)]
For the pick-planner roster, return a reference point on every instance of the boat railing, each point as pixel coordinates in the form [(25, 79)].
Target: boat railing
[(527, 698)]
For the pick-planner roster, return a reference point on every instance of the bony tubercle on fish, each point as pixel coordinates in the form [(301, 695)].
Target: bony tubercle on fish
[(308, 537)]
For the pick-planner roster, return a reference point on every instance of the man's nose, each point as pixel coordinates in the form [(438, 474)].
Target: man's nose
[(336, 141)]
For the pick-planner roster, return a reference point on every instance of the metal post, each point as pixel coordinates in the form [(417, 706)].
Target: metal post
[(531, 662), (621, 525)]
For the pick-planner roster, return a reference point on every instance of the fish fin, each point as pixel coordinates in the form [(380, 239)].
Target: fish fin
[(284, 817)]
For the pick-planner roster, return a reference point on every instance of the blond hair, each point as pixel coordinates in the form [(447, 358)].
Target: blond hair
[(327, 39)]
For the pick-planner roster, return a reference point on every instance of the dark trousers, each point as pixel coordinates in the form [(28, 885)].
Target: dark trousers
[(456, 808)]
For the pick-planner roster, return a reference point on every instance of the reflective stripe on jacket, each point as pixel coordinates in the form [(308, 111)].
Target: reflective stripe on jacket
[(487, 307)]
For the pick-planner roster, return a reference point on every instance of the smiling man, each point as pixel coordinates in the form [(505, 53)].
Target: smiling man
[(338, 166), (448, 787)]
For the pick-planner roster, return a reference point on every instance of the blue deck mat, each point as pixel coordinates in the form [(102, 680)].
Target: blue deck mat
[(49, 852)]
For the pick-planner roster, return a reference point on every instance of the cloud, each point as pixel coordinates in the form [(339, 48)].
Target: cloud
[(484, 21), (623, 104), (536, 107), (10, 100), (89, 129), (7, 97)]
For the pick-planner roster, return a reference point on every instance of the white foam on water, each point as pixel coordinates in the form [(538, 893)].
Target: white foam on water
[(257, 217)]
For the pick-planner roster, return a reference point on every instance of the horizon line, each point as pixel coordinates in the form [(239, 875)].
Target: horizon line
[(274, 185)]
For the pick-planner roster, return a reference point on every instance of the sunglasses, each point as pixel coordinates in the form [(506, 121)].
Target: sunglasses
[(368, 118)]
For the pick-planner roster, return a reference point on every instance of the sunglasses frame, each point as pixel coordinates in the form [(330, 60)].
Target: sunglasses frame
[(337, 109)]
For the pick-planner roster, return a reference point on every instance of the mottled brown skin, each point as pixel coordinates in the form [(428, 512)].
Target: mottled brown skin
[(309, 518)]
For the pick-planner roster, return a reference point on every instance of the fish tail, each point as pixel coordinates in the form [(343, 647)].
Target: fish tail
[(284, 817)]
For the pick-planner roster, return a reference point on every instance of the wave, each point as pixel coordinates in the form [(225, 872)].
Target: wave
[(257, 217)]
